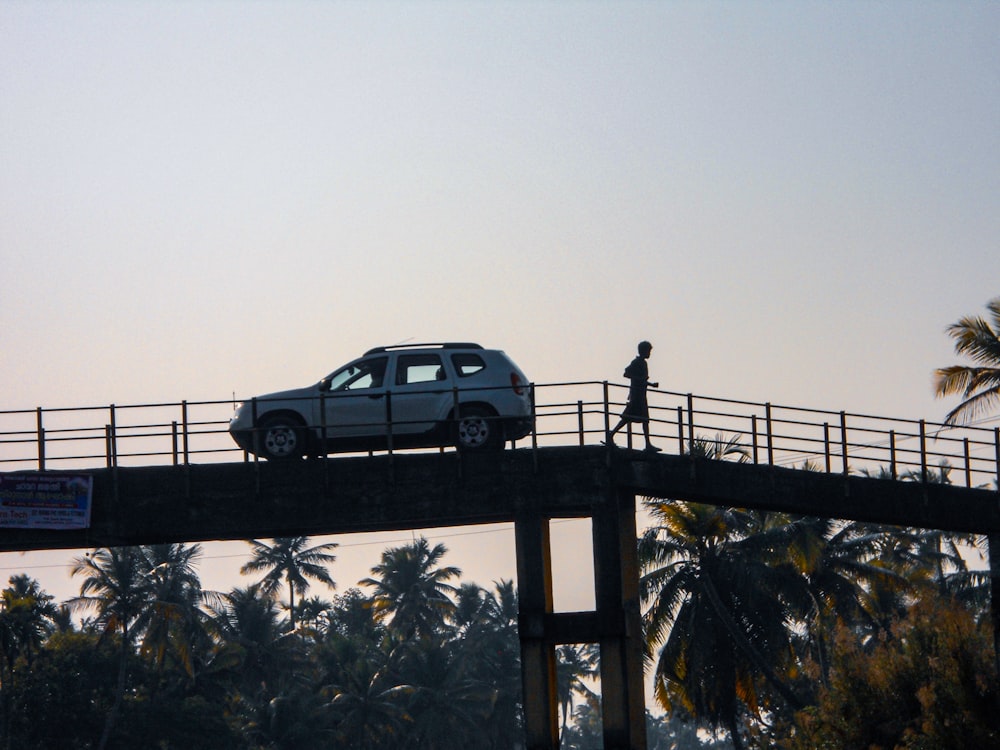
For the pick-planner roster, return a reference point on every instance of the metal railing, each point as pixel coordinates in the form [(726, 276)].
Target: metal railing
[(571, 413)]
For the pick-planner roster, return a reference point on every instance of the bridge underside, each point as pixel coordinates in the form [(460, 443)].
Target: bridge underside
[(202, 502), (527, 487)]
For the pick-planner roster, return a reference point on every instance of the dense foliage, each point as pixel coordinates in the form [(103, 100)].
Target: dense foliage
[(805, 633), (418, 660), (796, 632), (764, 631)]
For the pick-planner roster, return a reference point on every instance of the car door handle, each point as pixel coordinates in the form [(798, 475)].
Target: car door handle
[(376, 396)]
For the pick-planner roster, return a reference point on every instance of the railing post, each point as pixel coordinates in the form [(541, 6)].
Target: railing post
[(534, 431), (996, 446), (607, 409), (690, 399), (770, 434), (892, 453), (579, 420), (253, 427), (968, 467), (324, 434), (753, 430), (323, 437), (111, 439), (184, 432), (456, 410), (173, 441), (41, 439), (843, 442), (826, 445), (923, 451), (680, 431)]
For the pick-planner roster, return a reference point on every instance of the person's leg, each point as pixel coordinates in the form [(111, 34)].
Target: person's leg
[(611, 434), (645, 432)]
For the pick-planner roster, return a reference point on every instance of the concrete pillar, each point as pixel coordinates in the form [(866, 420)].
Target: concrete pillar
[(538, 656), (616, 573), (616, 626)]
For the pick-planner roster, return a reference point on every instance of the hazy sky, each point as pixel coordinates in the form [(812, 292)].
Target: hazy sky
[(790, 199)]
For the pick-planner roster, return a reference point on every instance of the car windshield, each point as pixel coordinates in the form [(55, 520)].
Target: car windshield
[(368, 373)]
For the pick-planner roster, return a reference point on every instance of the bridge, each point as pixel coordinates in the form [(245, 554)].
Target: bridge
[(169, 473)]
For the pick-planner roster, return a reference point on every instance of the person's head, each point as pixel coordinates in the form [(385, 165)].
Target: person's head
[(645, 348)]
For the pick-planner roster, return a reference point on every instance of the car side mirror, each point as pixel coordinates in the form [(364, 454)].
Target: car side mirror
[(324, 384)]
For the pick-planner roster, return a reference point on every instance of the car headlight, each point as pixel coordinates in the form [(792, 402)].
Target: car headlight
[(239, 414)]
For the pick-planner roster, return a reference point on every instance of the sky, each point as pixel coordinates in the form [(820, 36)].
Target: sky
[(791, 200)]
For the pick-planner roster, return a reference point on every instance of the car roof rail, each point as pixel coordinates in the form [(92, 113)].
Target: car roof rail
[(445, 345)]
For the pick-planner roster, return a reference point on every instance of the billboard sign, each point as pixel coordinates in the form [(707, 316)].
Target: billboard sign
[(45, 501)]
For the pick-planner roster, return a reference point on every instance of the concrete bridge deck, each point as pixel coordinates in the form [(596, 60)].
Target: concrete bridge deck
[(202, 502)]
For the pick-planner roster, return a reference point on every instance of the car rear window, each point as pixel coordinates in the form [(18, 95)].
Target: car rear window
[(467, 364), (419, 368)]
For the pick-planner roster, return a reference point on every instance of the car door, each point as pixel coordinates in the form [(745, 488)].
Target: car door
[(421, 393), (354, 399)]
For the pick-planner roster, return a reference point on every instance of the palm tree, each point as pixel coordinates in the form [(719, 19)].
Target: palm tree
[(586, 732), (487, 640), (175, 595), (289, 560), (351, 616), (719, 604), (470, 607), (26, 616), (62, 619), (368, 702), (501, 660), (720, 448), (502, 607), (450, 703), (411, 591), (249, 620), (253, 642), (840, 566), (979, 384), (574, 666), (967, 585), (116, 586), (313, 614)]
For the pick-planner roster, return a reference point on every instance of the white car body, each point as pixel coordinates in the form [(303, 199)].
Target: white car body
[(427, 395)]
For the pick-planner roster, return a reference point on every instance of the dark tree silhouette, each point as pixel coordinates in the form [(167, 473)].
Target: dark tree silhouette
[(290, 561)]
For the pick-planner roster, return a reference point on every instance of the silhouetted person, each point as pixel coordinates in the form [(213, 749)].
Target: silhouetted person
[(637, 408)]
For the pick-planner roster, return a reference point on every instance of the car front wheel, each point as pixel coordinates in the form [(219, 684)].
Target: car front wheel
[(281, 438), (477, 429)]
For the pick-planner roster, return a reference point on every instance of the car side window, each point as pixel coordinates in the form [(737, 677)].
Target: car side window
[(419, 368), (357, 376), (467, 364)]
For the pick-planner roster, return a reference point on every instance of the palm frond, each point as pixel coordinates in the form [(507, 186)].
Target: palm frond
[(978, 385)]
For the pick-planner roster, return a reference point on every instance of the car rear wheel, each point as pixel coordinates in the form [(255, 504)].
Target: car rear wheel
[(477, 429), (281, 438)]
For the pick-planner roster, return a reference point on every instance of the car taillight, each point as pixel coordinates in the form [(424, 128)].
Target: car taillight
[(515, 383)]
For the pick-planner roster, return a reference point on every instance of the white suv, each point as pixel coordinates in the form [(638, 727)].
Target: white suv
[(411, 396)]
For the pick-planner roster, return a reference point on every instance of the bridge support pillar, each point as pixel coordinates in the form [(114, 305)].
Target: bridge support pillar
[(538, 656), (616, 580), (616, 626)]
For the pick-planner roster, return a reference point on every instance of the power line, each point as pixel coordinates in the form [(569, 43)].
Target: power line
[(377, 542)]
